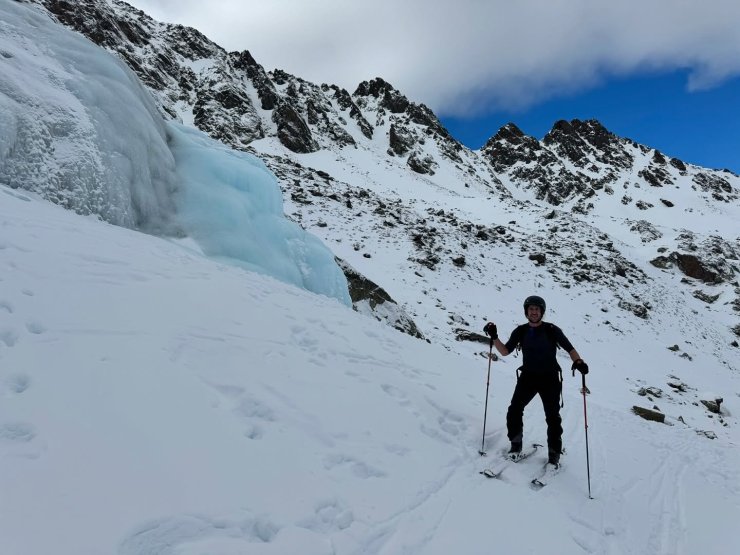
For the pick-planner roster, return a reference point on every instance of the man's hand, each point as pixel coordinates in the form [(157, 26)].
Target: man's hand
[(490, 330), (579, 365)]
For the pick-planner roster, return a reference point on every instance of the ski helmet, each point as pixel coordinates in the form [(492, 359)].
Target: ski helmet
[(534, 300)]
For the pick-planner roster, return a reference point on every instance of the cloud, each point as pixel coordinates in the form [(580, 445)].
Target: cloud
[(462, 57)]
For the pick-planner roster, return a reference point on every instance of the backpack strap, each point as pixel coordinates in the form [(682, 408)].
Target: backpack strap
[(519, 332), (551, 330)]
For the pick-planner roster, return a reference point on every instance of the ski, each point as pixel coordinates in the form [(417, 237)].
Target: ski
[(490, 473), (543, 478)]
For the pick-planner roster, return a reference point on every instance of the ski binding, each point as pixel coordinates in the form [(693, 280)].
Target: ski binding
[(490, 473)]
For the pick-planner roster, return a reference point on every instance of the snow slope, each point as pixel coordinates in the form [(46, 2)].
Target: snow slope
[(155, 401)]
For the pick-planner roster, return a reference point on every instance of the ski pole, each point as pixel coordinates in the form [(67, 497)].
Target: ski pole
[(584, 390), (485, 411)]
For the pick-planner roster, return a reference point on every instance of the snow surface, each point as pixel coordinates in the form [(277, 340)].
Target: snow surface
[(156, 401)]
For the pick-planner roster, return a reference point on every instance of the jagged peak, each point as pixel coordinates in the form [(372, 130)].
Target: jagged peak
[(245, 57), (509, 132), (579, 127), (375, 87), (510, 129), (390, 97), (591, 131)]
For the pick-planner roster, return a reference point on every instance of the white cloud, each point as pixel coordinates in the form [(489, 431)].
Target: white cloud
[(471, 55)]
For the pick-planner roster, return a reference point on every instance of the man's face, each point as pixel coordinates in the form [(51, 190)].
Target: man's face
[(534, 314)]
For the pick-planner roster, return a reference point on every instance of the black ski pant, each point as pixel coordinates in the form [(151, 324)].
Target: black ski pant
[(529, 384)]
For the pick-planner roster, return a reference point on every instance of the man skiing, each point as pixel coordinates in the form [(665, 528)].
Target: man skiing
[(540, 374)]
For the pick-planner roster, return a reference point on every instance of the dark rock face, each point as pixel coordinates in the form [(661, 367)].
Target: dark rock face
[(576, 139), (389, 97), (533, 165), (345, 102), (400, 141), (292, 131), (407, 118), (719, 187), (226, 113), (656, 176), (649, 414), (510, 146), (545, 166), (421, 165), (711, 261), (678, 164), (363, 290), (693, 267), (579, 159), (269, 97)]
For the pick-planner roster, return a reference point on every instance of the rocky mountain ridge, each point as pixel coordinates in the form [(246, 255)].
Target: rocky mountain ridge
[(320, 141)]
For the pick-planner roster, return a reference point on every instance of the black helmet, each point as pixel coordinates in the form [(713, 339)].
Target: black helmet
[(534, 300)]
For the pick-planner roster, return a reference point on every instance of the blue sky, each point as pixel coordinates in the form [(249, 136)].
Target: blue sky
[(701, 127)]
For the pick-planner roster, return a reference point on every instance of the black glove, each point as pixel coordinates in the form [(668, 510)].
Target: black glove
[(581, 366), (490, 329)]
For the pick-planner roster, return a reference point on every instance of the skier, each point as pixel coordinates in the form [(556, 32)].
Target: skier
[(539, 373)]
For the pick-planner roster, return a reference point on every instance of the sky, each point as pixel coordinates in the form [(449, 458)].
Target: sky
[(664, 73)]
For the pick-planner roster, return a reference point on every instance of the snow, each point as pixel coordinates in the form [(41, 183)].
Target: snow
[(155, 399)]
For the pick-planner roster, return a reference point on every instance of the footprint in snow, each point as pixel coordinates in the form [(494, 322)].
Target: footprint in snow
[(35, 328), (17, 383), (18, 439), (330, 516), (299, 334), (8, 336), (396, 393), (16, 432)]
